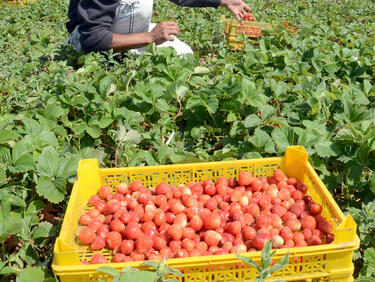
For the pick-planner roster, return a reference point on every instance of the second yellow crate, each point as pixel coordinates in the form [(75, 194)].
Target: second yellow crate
[(253, 30), (330, 262)]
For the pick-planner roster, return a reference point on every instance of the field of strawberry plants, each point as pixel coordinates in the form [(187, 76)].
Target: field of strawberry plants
[(315, 88)]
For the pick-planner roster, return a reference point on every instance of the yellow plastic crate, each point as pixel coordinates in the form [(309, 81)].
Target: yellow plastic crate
[(19, 2), (252, 29), (331, 262)]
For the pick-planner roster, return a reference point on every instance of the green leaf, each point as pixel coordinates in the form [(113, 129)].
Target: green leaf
[(107, 85), (201, 70), (252, 155), (10, 225), (5, 156), (174, 271), (326, 149), (21, 148), (34, 274), (250, 95), (94, 131), (261, 139), (212, 105), (109, 270), (68, 167), (53, 111), (48, 138), (52, 191), (48, 163), (283, 263), (248, 261), (133, 136), (151, 263), (105, 121), (266, 255), (252, 121), (372, 182), (138, 276), (3, 177), (34, 207), (13, 200), (267, 111), (24, 163), (162, 105), (7, 135), (42, 230), (369, 256), (32, 126)]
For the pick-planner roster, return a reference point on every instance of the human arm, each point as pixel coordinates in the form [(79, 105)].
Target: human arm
[(197, 3), (161, 32), (236, 7)]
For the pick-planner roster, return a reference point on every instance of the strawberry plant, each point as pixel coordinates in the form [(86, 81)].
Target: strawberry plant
[(157, 274), (267, 266)]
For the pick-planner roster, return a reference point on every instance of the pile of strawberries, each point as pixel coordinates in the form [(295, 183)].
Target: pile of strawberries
[(200, 219)]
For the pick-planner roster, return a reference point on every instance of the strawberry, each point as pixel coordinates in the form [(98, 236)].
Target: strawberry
[(309, 222), (105, 191), (122, 189), (137, 186), (330, 238), (297, 195), (98, 259), (324, 226), (85, 219), (212, 221), (297, 209), (98, 243), (137, 256), (117, 225), (113, 239), (162, 188), (244, 178), (132, 231), (279, 175), (175, 231), (212, 238), (315, 209), (234, 228), (249, 233), (87, 235), (293, 224), (286, 233), (260, 240), (143, 244), (127, 246), (277, 241), (263, 221)]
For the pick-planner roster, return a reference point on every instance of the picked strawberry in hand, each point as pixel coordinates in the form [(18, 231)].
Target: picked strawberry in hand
[(249, 17)]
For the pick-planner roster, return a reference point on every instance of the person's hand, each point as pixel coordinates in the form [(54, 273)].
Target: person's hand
[(164, 31), (236, 7)]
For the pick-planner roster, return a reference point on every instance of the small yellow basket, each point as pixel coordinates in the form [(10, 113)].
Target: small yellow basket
[(253, 30), (330, 262), (16, 2)]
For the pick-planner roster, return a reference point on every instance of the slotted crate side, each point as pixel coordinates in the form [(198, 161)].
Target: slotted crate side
[(313, 262), (182, 174)]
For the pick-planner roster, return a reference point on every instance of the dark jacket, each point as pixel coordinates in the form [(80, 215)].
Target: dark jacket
[(95, 18)]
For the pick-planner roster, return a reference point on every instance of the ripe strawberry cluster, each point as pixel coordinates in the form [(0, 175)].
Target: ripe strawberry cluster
[(249, 17), (205, 218)]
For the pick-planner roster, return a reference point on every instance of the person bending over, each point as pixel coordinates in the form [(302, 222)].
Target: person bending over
[(100, 25)]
